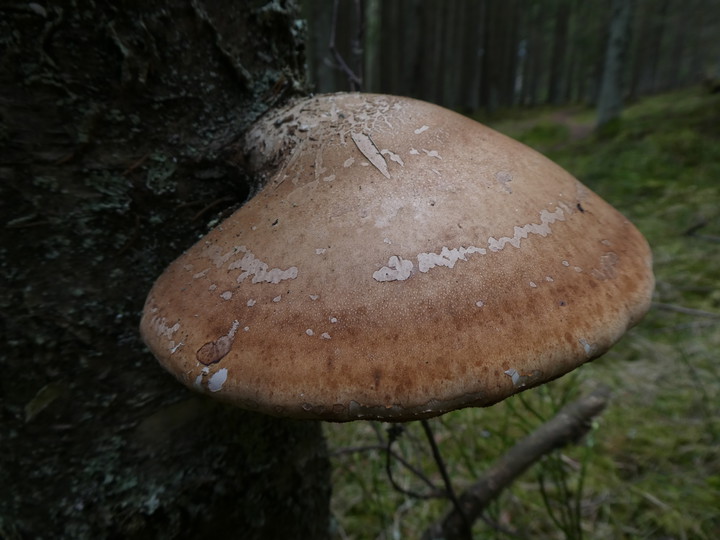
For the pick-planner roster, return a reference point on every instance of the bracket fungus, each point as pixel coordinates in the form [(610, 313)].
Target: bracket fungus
[(401, 261)]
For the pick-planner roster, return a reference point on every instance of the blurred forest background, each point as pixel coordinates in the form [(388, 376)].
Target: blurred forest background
[(535, 70), (471, 54)]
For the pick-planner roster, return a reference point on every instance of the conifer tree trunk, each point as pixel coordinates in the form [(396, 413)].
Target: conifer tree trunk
[(610, 100), (117, 125)]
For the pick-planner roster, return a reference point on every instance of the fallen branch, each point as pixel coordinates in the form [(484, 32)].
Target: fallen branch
[(693, 231), (686, 311), (567, 426)]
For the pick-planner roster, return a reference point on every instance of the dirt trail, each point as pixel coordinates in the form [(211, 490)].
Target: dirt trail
[(577, 130)]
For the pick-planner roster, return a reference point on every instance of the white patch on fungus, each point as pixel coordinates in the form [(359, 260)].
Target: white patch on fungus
[(547, 218), (310, 332), (414, 152), (314, 296), (393, 157), (348, 162), (479, 303), (371, 152), (588, 347), (446, 257), (397, 269), (201, 274), (216, 381), (212, 287), (277, 298), (324, 335), (514, 376), (159, 324), (260, 271), (419, 130), (329, 178), (320, 251), (432, 153), (533, 285), (504, 178), (217, 257), (565, 263), (387, 241), (319, 168), (333, 320), (227, 295), (519, 380), (251, 302)]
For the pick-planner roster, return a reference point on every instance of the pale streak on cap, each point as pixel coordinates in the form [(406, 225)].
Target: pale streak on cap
[(401, 261)]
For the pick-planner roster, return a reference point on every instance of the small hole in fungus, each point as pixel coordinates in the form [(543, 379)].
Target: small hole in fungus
[(562, 303), (579, 207)]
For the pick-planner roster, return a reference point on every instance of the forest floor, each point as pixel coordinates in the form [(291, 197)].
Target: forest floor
[(650, 467), (578, 128)]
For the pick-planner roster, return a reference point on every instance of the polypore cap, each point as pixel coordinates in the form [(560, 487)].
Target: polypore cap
[(400, 262)]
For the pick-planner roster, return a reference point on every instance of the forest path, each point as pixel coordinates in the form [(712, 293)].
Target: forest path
[(577, 129)]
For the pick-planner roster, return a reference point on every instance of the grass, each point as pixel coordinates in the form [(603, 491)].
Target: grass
[(650, 467)]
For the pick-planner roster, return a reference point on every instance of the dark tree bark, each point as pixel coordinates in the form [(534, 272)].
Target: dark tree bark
[(116, 124)]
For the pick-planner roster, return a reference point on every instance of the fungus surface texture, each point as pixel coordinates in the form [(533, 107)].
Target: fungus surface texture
[(401, 261)]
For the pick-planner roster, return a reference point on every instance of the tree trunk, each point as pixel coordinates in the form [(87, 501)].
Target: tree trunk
[(610, 100), (116, 124), (559, 53)]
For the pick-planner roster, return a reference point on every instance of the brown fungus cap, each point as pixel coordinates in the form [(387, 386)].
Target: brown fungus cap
[(400, 262)]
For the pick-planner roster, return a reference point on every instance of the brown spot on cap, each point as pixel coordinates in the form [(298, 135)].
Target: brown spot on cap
[(214, 351)]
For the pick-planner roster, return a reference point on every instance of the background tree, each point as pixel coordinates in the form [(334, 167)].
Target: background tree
[(117, 132), (470, 54), (611, 90)]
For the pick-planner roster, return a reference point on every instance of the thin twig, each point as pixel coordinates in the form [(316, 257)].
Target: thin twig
[(354, 80), (446, 478), (393, 434), (692, 231), (566, 427), (435, 493), (686, 310)]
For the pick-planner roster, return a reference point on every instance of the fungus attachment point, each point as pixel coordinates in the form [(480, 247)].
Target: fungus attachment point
[(459, 264)]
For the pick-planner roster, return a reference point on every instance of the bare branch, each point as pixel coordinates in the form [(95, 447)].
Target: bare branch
[(686, 310), (450, 492), (568, 426), (354, 80)]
